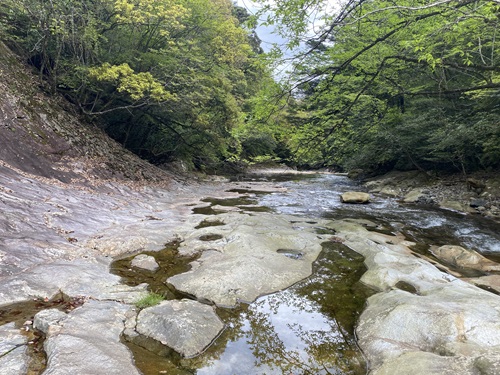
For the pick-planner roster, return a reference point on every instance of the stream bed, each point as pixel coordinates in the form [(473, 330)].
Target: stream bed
[(309, 327)]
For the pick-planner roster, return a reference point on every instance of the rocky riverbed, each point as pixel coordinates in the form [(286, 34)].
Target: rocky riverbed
[(73, 201), (61, 240), (477, 194)]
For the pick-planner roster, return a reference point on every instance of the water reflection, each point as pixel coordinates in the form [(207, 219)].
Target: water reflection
[(306, 329)]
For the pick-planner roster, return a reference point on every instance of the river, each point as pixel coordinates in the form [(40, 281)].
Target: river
[(309, 327)]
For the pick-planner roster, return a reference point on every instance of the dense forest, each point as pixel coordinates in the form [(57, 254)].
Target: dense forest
[(372, 85)]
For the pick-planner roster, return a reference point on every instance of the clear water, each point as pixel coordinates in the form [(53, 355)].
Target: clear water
[(309, 327), (318, 196)]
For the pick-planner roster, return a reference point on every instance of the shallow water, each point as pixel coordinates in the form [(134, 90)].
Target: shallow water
[(318, 196), (305, 329), (22, 315), (309, 327)]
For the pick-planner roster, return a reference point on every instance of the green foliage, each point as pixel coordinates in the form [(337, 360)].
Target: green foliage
[(136, 85), (151, 299), (169, 79), (406, 85)]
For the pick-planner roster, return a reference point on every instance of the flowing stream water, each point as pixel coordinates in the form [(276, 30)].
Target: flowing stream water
[(318, 196), (309, 327)]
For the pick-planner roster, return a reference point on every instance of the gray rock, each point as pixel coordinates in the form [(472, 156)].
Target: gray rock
[(46, 318), (414, 196), (146, 262), (355, 197), (186, 326), (419, 196), (475, 203), (445, 326), (81, 277), (452, 205), (454, 320), (247, 264), (390, 191), (88, 342), (13, 356)]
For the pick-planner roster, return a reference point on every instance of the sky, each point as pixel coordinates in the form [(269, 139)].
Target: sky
[(265, 33)]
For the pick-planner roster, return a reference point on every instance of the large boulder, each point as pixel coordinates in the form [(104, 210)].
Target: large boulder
[(418, 195), (355, 197), (464, 258), (455, 320), (186, 326), (422, 321)]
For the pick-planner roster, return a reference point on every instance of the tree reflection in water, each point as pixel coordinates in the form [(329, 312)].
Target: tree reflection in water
[(306, 329)]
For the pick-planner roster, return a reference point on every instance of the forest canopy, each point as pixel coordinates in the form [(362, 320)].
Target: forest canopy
[(406, 84), (169, 79), (374, 84)]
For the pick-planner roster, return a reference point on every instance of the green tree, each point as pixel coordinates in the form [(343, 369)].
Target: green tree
[(410, 84), (169, 79)]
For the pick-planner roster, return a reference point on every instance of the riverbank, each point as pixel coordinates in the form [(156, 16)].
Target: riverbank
[(477, 194)]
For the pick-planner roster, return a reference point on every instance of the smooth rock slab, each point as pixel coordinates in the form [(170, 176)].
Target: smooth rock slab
[(446, 326), (81, 277), (13, 357), (249, 261), (186, 326), (146, 262), (456, 320), (87, 341), (355, 197), (464, 258)]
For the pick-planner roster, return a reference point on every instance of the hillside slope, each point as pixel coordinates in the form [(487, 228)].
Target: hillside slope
[(40, 136)]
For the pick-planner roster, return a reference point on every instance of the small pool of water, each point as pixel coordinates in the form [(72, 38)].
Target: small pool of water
[(170, 263), (244, 203), (305, 329), (22, 315)]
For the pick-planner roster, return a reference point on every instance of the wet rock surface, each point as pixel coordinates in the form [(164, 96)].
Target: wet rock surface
[(146, 262), (186, 326), (444, 326)]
